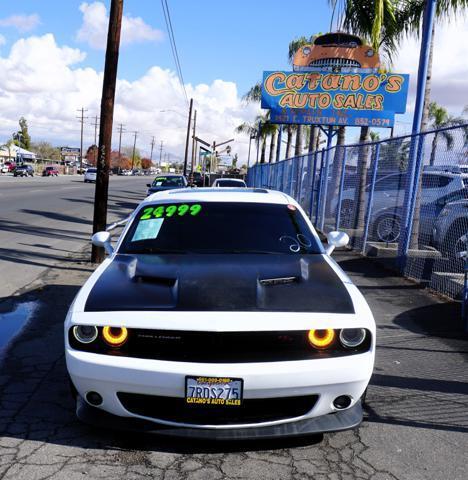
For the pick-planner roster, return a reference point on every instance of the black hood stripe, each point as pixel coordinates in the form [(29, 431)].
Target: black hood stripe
[(283, 282)]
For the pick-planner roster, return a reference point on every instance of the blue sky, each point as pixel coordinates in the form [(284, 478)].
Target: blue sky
[(234, 41)]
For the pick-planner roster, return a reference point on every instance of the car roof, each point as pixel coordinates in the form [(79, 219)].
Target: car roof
[(239, 180), (245, 195)]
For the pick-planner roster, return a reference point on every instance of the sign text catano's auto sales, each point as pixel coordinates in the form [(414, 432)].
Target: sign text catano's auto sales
[(344, 98)]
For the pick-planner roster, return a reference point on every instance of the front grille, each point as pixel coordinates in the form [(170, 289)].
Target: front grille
[(174, 409), (335, 63), (218, 347)]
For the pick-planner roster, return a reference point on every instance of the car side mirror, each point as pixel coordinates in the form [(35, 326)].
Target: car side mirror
[(102, 239), (336, 239), (148, 185)]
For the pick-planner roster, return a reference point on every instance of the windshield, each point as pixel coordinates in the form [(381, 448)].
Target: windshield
[(91, 170), (168, 182), (219, 227)]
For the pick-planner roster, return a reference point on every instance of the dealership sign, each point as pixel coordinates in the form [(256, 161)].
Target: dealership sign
[(325, 98)]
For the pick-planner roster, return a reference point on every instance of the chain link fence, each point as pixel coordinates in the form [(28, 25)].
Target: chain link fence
[(402, 200)]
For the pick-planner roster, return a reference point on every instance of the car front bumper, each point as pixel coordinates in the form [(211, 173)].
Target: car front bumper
[(333, 422), (324, 378)]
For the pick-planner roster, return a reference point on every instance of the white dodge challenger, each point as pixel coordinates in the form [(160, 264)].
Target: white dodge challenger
[(219, 314)]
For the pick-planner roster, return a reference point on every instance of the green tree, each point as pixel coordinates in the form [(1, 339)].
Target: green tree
[(21, 137), (44, 150), (128, 152)]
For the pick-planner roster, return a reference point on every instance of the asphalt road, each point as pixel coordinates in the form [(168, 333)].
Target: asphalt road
[(416, 422), (43, 220)]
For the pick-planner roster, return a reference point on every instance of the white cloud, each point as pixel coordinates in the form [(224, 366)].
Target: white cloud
[(44, 82), (450, 69), (23, 23), (93, 31)]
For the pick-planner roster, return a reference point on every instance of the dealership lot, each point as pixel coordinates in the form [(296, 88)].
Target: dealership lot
[(415, 428)]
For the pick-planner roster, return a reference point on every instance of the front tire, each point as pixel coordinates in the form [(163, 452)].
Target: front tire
[(452, 243), (387, 229)]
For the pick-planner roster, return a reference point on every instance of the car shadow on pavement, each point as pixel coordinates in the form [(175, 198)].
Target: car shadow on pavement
[(39, 259), (35, 400)]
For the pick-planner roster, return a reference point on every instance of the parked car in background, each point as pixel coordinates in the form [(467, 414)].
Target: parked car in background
[(166, 182), (90, 175), (389, 191), (201, 180), (451, 229), (50, 172), (4, 168), (229, 182), (386, 223), (10, 166), (23, 171)]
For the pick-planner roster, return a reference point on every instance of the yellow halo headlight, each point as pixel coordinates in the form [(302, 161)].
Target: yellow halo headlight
[(115, 336), (321, 338)]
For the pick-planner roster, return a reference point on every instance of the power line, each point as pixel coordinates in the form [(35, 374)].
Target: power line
[(175, 54)]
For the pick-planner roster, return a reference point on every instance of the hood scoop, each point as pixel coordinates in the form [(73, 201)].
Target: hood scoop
[(224, 282)]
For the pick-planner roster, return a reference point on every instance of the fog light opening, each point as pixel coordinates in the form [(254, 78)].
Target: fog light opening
[(94, 399), (342, 402), (85, 333), (115, 336)]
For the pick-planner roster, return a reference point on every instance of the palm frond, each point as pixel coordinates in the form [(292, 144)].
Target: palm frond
[(254, 95)]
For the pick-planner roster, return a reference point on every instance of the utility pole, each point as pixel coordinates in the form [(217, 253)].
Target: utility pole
[(82, 118), (95, 124), (194, 142), (152, 148), (120, 139), (160, 152), (107, 117), (188, 136), (134, 148)]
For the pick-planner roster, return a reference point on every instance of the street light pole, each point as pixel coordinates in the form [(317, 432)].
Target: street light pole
[(188, 136), (194, 142), (134, 148), (152, 148)]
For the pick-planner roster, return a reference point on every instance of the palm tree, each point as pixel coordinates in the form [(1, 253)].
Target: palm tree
[(440, 119), (254, 95), (376, 22), (294, 46)]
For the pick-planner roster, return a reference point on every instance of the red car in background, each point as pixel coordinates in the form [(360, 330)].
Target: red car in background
[(50, 172), (10, 165)]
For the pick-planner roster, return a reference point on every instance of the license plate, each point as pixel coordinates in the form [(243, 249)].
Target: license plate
[(215, 391)]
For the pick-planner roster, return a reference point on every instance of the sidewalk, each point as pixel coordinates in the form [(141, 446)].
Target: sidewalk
[(416, 427)]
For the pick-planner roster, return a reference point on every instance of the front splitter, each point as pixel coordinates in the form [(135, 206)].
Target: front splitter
[(334, 422)]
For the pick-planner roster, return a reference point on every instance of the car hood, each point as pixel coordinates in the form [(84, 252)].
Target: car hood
[(234, 282)]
